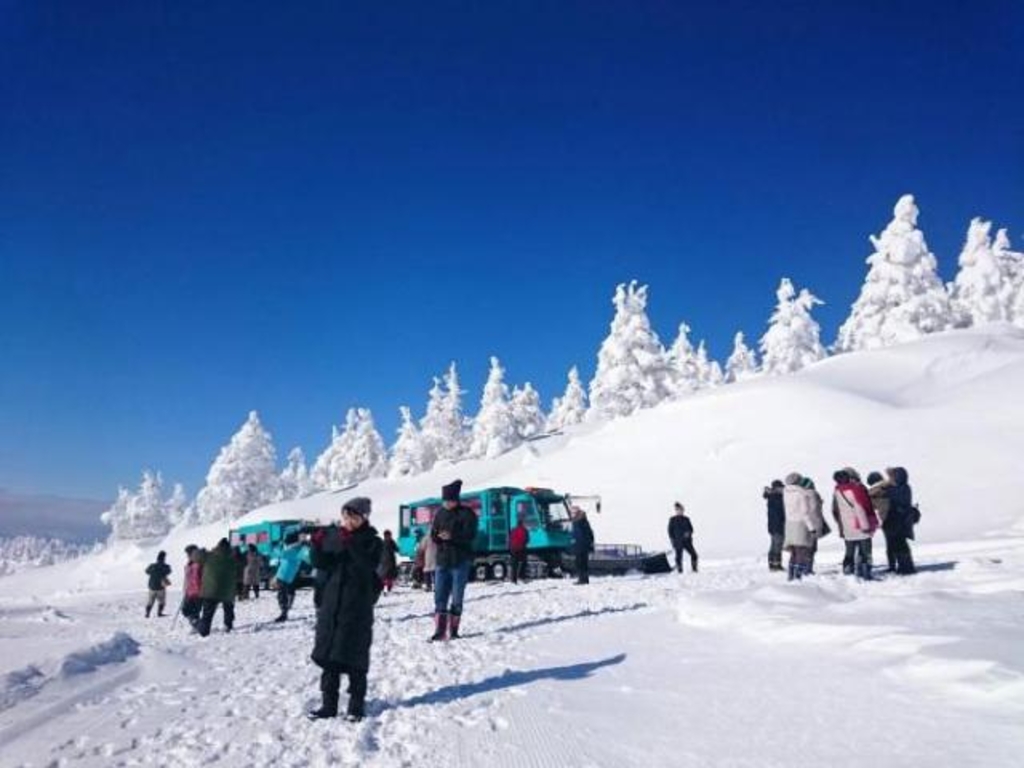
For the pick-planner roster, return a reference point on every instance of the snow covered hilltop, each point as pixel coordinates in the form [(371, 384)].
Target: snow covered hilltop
[(902, 300)]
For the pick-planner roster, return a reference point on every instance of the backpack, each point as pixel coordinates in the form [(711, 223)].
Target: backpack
[(914, 514)]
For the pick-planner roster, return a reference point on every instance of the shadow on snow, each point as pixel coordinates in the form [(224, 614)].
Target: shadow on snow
[(510, 679)]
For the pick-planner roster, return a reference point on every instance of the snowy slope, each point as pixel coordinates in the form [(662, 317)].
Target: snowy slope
[(946, 407), (732, 666)]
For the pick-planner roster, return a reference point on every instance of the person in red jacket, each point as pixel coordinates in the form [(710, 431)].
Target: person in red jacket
[(518, 539)]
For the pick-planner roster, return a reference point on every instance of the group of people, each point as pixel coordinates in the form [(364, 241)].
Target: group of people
[(354, 565), (796, 521)]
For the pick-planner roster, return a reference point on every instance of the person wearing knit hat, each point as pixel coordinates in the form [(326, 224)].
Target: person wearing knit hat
[(772, 494), (453, 531), (344, 621)]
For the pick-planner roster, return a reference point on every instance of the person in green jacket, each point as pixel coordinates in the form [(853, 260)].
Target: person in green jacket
[(220, 572)]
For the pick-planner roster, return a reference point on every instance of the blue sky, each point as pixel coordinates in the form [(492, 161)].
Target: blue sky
[(205, 211)]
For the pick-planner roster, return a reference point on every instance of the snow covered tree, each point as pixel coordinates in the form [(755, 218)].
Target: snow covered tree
[(632, 368), (177, 507), (683, 363), (140, 515), (902, 298), (709, 372), (793, 338), (295, 481), (356, 453), (571, 407), (242, 478), (494, 428), (116, 516), (408, 455), (742, 363), (443, 426), (978, 291), (1011, 266), (527, 412), (369, 457)]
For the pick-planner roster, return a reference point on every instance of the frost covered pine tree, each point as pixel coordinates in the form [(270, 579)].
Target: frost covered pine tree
[(356, 453), (742, 363), (527, 411), (1011, 266), (709, 372), (793, 338), (443, 425), (683, 363), (571, 407), (294, 481), (368, 457), (494, 428), (977, 293), (902, 298), (140, 515), (633, 371), (116, 516), (408, 454), (176, 506), (242, 477)]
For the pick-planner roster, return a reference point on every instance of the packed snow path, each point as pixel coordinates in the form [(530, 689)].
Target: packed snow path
[(731, 667)]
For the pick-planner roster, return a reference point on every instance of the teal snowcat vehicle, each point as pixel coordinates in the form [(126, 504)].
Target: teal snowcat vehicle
[(544, 512)]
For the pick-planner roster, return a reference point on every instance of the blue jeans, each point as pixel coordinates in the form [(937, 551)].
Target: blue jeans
[(450, 583)]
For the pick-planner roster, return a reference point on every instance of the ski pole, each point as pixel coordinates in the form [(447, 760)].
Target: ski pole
[(174, 621)]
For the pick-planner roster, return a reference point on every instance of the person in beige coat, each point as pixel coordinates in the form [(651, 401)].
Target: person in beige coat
[(802, 525)]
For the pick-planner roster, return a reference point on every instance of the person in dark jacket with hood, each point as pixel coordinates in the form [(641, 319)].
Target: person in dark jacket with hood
[(776, 524), (680, 533), (344, 621), (453, 531), (899, 522), (582, 544), (158, 582)]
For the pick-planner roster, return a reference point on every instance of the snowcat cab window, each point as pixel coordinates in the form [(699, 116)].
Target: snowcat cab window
[(526, 513)]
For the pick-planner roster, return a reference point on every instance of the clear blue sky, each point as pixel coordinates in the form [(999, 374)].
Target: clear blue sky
[(208, 210)]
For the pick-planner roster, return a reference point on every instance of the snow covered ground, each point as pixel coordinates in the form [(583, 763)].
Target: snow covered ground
[(729, 667)]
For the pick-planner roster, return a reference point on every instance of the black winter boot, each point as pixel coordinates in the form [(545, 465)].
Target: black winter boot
[(357, 697), (453, 626), (440, 627), (330, 682)]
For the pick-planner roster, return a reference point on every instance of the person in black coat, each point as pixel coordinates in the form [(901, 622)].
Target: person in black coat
[(582, 544), (776, 524), (899, 523), (680, 532), (344, 621), (158, 582), (453, 531)]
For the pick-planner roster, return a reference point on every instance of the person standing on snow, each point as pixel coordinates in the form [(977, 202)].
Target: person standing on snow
[(518, 541), (582, 544), (221, 572), (429, 550), (289, 564), (852, 504), (251, 574), (903, 515), (453, 531), (344, 621), (776, 523), (800, 526), (389, 562), (878, 488), (192, 603), (821, 529), (680, 533), (158, 583)]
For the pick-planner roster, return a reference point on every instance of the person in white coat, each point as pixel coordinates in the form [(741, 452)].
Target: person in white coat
[(801, 525)]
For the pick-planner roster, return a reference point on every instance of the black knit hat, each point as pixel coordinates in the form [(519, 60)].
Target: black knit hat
[(452, 491), (360, 505)]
